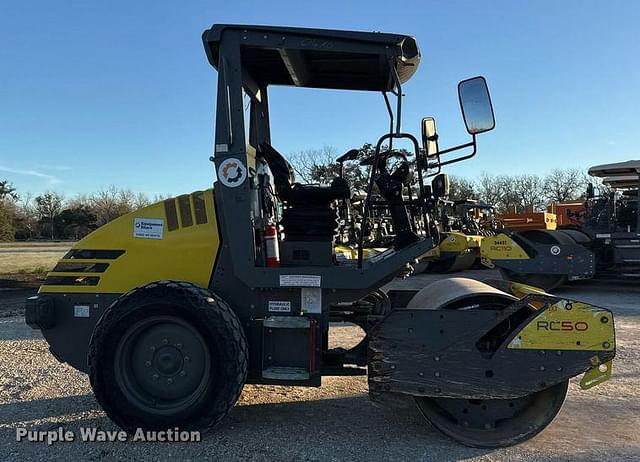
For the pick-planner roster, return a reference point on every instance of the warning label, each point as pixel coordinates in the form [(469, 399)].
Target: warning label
[(278, 306), (299, 280)]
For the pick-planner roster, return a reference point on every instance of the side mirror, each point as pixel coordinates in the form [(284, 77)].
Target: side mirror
[(475, 103), (590, 192), (429, 136), (440, 186)]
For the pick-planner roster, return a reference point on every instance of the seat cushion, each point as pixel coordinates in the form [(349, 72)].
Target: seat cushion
[(316, 194)]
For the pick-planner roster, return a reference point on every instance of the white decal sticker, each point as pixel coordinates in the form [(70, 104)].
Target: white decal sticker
[(232, 172), (276, 306), (299, 280), (148, 228), (555, 250), (81, 311), (311, 300), (224, 147)]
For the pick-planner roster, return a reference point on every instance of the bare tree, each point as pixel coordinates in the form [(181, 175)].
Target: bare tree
[(510, 202), (48, 207), (490, 189), (140, 200), (305, 162), (26, 216), (110, 203), (159, 197), (512, 194), (564, 185), (530, 192), (80, 200), (461, 188)]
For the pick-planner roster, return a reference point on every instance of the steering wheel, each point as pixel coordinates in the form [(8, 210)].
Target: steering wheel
[(395, 164)]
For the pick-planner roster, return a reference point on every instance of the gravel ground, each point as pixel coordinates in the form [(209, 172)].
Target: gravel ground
[(334, 422)]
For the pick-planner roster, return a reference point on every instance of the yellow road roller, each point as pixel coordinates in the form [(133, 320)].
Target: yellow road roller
[(173, 308)]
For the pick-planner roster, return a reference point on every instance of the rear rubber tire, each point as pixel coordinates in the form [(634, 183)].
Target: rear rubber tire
[(168, 354)]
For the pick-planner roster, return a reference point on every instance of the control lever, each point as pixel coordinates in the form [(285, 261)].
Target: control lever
[(391, 186)]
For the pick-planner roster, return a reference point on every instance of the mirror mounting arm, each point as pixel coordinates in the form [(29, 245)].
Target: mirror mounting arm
[(472, 143)]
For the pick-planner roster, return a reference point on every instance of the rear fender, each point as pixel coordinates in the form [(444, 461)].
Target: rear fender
[(516, 253)]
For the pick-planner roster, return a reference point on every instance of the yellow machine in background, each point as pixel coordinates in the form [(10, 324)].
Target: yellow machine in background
[(463, 226), (500, 247), (344, 252), (457, 251)]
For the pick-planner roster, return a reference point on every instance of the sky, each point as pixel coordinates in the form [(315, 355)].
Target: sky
[(120, 93)]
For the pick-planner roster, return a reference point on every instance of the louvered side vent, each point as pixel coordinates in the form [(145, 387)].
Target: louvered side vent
[(71, 281), (171, 214), (184, 205), (182, 211), (199, 207)]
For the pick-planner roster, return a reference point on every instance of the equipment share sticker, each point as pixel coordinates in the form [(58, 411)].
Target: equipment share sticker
[(232, 172), (148, 228)]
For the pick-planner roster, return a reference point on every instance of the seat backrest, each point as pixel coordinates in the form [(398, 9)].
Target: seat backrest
[(283, 175)]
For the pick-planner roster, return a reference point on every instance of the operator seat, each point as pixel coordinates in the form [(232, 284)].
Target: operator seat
[(296, 193), (308, 215)]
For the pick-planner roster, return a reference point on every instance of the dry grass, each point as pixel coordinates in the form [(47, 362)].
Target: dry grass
[(35, 244), (31, 257), (28, 262)]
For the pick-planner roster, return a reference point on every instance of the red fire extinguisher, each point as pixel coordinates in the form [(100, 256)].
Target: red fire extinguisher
[(271, 246)]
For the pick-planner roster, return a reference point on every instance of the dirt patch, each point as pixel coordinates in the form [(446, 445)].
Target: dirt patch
[(334, 422), (15, 289)]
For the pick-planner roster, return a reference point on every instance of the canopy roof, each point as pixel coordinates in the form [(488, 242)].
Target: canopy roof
[(317, 58), (616, 169), (622, 182)]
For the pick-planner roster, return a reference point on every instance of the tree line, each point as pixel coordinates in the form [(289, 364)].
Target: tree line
[(52, 216), (507, 193), (523, 193)]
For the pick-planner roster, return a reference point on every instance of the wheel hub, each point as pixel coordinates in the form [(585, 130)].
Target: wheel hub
[(164, 363), (168, 361)]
